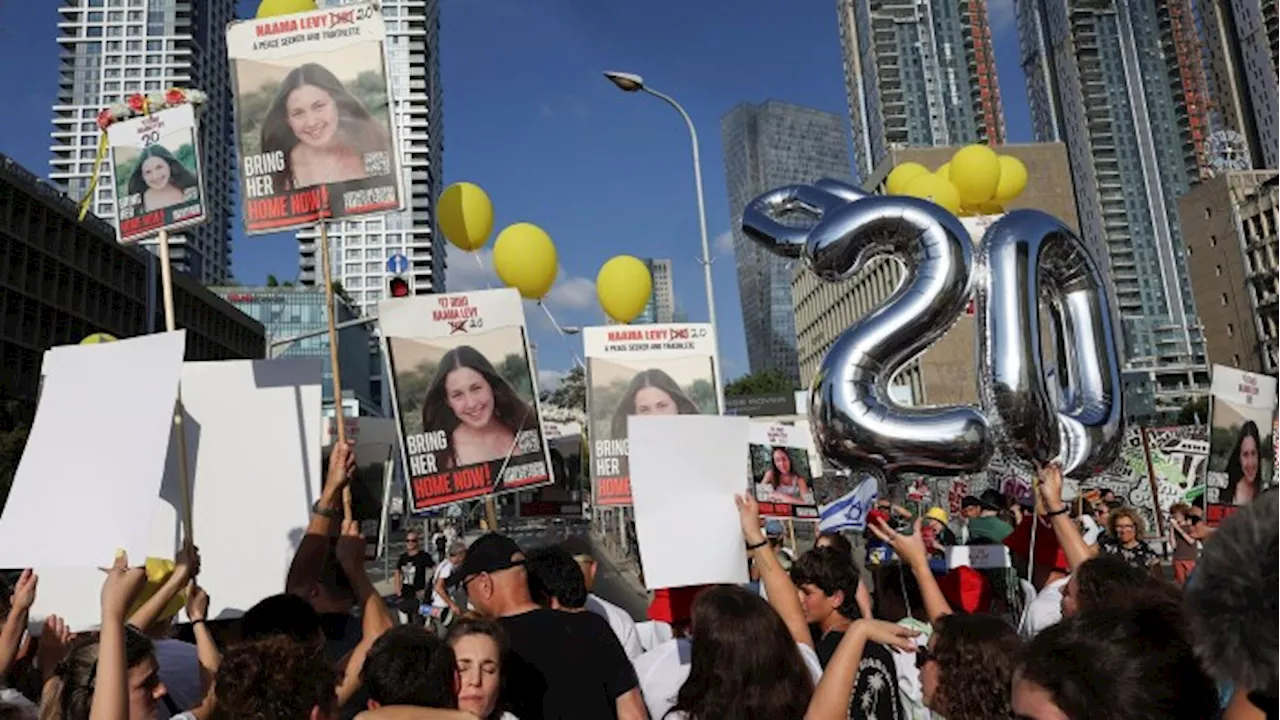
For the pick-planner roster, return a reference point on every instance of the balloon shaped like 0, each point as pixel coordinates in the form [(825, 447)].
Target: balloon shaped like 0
[(855, 423), (1029, 255)]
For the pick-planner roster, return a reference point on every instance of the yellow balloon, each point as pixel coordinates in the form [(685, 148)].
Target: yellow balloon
[(935, 189), (525, 259), (943, 171), (96, 338), (975, 171), (271, 8), (624, 287), (1013, 179), (904, 173), (465, 216)]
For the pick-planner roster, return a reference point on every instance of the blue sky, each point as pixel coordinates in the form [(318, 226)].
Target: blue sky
[(528, 116)]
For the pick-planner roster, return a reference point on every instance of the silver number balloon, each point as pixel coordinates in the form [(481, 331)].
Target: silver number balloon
[(855, 423), (1027, 256)]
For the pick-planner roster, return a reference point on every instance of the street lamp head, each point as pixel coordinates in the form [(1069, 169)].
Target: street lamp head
[(626, 82)]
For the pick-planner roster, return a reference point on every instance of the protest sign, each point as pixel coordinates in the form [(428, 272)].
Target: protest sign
[(641, 370), (313, 118), (784, 466), (464, 396), (1241, 440), (155, 163)]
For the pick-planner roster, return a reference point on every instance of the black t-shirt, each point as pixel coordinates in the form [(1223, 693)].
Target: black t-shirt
[(414, 572), (563, 665), (875, 693)]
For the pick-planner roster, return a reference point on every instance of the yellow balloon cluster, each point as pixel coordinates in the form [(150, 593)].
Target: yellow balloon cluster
[(976, 181), (624, 287), (272, 8)]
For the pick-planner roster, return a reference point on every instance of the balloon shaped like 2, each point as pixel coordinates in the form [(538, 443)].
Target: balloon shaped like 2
[(1079, 420), (855, 423)]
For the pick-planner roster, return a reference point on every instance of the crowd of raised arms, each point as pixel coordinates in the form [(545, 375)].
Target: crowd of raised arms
[(1091, 630)]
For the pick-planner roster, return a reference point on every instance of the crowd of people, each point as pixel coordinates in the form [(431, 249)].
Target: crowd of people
[(499, 632)]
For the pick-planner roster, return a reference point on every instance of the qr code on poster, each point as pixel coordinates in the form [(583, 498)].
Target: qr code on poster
[(377, 163)]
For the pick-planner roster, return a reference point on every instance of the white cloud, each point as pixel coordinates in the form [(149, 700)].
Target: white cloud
[(549, 380), (572, 293), (723, 244), (474, 271)]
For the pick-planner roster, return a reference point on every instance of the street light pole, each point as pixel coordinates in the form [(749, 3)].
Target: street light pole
[(628, 82)]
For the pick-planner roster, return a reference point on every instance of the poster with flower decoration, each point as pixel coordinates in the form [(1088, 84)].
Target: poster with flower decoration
[(155, 161), (315, 123)]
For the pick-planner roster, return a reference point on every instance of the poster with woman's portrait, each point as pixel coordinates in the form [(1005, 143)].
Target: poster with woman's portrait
[(314, 123), (663, 369), (1241, 440), (784, 465), (464, 396), (155, 162)]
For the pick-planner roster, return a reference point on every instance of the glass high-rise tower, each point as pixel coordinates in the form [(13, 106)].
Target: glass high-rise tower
[(767, 146), (111, 49), (1112, 80), (918, 73)]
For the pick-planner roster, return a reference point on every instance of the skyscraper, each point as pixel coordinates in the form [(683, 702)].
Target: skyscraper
[(111, 49), (918, 73), (767, 146), (661, 305), (1240, 38), (1108, 79), (359, 249)]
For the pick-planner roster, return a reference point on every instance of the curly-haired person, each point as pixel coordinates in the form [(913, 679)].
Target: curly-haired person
[(967, 669), (276, 678), (1126, 529)]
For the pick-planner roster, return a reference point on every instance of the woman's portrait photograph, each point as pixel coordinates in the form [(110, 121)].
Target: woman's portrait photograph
[(782, 474), (1241, 452), (161, 176), (327, 115), (670, 386), (476, 389)]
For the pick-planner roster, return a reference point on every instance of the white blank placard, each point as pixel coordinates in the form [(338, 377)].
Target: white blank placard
[(685, 470), (93, 463), (253, 432)]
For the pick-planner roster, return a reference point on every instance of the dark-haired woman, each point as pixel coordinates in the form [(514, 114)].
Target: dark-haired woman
[(323, 131), (967, 667), (750, 659), (479, 645), (651, 392), (1131, 663), (781, 483), (1242, 467), (476, 407), (160, 179)]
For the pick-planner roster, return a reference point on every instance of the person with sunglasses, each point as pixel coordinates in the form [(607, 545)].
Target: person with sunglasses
[(410, 577), (559, 664)]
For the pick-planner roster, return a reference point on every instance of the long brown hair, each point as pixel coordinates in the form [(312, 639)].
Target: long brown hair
[(508, 409), (745, 663), (356, 124), (976, 657), (69, 693)]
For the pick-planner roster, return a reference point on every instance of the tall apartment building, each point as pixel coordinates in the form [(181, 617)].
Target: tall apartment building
[(1230, 223), (918, 73), (114, 48), (1240, 38), (662, 304), (945, 373), (1108, 79), (767, 146)]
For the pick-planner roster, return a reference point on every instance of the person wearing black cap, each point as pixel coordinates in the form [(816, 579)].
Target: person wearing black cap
[(558, 664), (987, 528)]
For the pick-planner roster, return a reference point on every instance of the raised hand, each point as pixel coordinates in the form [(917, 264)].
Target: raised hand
[(342, 465), (187, 561), (908, 547), (749, 516), (24, 591), (1050, 486), (350, 547), (886, 633), (197, 603), (120, 588), (54, 639)]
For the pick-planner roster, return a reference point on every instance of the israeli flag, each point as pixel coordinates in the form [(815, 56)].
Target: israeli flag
[(849, 511)]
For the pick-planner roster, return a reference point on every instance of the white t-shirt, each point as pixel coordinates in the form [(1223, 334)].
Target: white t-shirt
[(1045, 610), (623, 626), (1091, 530), (443, 570), (664, 669), (178, 667)]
